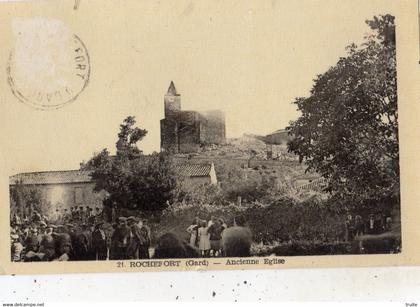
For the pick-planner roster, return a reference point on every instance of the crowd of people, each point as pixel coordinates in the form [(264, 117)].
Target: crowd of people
[(375, 224), (83, 234), (207, 236)]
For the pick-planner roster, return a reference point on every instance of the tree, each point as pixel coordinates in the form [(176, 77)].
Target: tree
[(348, 129), (28, 199), (133, 180)]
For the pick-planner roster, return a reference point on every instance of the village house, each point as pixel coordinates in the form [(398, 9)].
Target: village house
[(195, 174), (66, 189), (61, 189)]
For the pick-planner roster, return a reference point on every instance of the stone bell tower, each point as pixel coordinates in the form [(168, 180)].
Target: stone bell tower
[(172, 101)]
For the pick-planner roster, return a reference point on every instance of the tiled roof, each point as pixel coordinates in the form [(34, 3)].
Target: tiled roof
[(51, 177), (193, 170)]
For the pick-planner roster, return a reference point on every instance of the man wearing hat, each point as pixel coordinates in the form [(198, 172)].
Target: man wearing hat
[(83, 243), (120, 240), (17, 247), (65, 215), (16, 219), (72, 213), (42, 226), (146, 233), (76, 216), (88, 212), (73, 237), (50, 229), (47, 248), (63, 247), (137, 239), (31, 248), (99, 241), (82, 214)]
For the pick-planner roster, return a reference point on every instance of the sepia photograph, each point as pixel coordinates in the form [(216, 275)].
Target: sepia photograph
[(233, 133)]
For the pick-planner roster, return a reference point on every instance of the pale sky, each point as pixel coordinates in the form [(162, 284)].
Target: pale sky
[(247, 58)]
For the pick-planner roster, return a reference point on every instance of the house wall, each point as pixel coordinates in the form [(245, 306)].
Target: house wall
[(190, 183), (67, 195)]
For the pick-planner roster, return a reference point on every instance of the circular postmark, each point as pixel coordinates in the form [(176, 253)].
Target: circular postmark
[(49, 76)]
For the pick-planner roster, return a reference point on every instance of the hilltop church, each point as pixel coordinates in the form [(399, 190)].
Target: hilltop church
[(189, 131), (181, 132)]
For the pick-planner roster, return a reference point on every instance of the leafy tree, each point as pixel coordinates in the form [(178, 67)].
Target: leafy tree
[(133, 180), (28, 199), (348, 128)]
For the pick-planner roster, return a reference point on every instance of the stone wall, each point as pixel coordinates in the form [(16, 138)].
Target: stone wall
[(189, 137), (213, 127), (169, 135)]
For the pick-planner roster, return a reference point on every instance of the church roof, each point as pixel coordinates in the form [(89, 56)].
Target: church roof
[(51, 177), (172, 89)]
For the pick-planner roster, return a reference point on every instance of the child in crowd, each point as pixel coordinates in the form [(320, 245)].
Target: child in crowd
[(204, 240)]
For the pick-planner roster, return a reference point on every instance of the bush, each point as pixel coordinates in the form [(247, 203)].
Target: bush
[(288, 220), (281, 221), (303, 248), (385, 243)]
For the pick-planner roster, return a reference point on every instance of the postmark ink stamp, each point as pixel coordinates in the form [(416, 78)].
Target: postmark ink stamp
[(49, 71)]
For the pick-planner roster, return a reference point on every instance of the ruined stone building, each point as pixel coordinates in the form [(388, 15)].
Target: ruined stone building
[(187, 131)]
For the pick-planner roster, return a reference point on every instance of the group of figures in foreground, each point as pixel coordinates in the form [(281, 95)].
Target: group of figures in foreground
[(93, 238)]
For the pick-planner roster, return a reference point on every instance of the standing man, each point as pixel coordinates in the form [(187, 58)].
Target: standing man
[(56, 216), (370, 226), (76, 216), (42, 226), (99, 242), (114, 212), (66, 216), (72, 213), (137, 239), (71, 230), (87, 213), (82, 214), (350, 227), (146, 234), (82, 246), (120, 241), (215, 231)]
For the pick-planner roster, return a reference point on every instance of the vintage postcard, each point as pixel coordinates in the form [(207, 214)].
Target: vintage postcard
[(203, 135)]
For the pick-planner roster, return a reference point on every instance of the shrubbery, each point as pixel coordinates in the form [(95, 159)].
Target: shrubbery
[(278, 222), (302, 248)]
